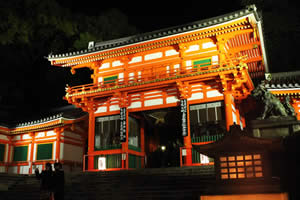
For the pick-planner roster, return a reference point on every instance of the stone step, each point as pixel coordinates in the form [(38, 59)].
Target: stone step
[(165, 183)]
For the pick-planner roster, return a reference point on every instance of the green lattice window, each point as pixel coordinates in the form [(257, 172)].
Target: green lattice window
[(44, 151), (20, 153), (110, 79), (202, 63), (2, 152)]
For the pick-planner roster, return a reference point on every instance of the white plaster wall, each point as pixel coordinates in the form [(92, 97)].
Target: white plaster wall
[(34, 151), (17, 137), (172, 99), (153, 56), (136, 59), (136, 104), (2, 169), (26, 136), (3, 137), (101, 109), (213, 93), (153, 102), (29, 152), (208, 45), (51, 133), (114, 107), (193, 48), (171, 52), (40, 134), (24, 169), (195, 96)]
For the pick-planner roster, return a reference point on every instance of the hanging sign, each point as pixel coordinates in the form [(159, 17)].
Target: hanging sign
[(183, 109), (123, 124)]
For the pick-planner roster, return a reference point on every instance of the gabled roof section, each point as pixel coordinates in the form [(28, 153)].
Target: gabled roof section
[(65, 116), (136, 43), (283, 80)]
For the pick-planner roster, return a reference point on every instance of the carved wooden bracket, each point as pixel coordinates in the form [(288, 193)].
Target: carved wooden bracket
[(183, 89), (123, 99)]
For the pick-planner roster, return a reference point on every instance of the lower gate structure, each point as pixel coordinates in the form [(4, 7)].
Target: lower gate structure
[(201, 71)]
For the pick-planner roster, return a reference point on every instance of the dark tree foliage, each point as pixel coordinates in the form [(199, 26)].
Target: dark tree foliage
[(29, 31)]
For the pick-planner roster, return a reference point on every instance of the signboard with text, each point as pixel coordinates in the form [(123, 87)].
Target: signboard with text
[(183, 110), (123, 120)]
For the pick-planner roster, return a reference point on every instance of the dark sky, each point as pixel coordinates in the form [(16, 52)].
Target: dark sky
[(281, 21), (154, 15)]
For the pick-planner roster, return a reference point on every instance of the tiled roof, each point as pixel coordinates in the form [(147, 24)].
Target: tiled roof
[(66, 113), (100, 46), (283, 80)]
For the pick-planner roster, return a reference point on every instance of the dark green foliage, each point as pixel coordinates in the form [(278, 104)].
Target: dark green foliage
[(31, 30)]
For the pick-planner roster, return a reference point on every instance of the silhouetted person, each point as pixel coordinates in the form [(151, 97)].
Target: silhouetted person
[(46, 178), (59, 181)]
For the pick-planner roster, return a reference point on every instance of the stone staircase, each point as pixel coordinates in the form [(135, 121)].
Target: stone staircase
[(157, 183)]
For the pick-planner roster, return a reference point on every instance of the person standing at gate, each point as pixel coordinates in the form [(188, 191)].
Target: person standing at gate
[(59, 181), (46, 178)]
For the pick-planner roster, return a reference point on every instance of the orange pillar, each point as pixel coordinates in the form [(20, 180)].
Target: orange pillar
[(91, 140), (125, 163), (228, 109), (58, 135), (31, 152), (9, 156)]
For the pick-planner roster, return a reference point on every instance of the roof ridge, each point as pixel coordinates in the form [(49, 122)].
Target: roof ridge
[(165, 32)]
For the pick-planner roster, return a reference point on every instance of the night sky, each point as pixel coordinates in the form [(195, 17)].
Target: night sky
[(32, 90)]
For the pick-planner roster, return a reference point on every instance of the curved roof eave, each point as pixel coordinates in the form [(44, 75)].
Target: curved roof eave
[(163, 33)]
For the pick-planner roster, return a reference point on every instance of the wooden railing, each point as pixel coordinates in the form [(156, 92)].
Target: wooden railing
[(145, 75)]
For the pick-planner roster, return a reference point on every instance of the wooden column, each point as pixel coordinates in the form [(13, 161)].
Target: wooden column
[(125, 164), (91, 140), (228, 109), (184, 91), (123, 103), (31, 152), (9, 156), (58, 132), (188, 140)]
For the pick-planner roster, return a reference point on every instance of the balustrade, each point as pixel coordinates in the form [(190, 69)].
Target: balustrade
[(144, 76)]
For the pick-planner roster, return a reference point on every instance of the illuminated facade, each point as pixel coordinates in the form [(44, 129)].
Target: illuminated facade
[(205, 69), (57, 138)]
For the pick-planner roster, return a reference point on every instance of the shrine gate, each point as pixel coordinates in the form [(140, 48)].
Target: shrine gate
[(199, 71)]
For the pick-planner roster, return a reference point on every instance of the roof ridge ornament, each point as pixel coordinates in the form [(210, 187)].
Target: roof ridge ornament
[(251, 7), (91, 44)]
